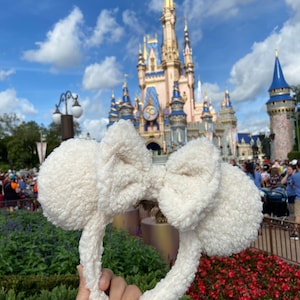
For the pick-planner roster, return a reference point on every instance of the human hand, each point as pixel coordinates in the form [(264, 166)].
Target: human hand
[(115, 286)]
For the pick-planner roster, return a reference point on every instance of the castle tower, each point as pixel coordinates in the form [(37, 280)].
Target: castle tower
[(207, 118), (166, 113), (228, 121), (281, 109), (114, 111), (125, 107), (178, 121), (189, 78)]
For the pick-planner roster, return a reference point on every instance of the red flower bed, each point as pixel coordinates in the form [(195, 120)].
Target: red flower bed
[(248, 275)]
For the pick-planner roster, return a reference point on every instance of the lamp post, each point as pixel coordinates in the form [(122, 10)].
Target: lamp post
[(66, 120)]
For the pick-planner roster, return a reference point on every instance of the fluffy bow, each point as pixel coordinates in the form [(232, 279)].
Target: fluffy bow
[(84, 184)]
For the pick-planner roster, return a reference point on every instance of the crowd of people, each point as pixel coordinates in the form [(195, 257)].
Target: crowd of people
[(275, 177), (16, 189)]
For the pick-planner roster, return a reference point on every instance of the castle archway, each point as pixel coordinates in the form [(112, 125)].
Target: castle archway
[(154, 146)]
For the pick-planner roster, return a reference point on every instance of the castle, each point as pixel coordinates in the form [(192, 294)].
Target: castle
[(172, 110)]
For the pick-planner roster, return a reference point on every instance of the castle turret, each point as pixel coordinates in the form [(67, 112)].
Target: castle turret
[(141, 67), (126, 108), (228, 121), (281, 109), (177, 118), (114, 111), (188, 58), (170, 54), (207, 117)]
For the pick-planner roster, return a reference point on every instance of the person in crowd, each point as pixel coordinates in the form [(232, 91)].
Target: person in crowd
[(275, 178), (249, 168), (116, 285), (295, 180), (265, 175), (22, 184), (10, 190), (290, 189), (233, 162)]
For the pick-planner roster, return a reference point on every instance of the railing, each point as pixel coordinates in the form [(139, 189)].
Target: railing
[(25, 203), (274, 238)]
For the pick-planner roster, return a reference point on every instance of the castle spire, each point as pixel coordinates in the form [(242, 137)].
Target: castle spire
[(114, 111), (177, 118), (126, 108), (170, 46), (278, 77), (188, 56), (169, 4), (226, 101), (187, 42)]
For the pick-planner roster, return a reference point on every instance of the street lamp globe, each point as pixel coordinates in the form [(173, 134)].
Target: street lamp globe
[(56, 116), (76, 109)]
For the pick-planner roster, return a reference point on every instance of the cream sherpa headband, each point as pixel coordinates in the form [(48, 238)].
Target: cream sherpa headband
[(215, 207)]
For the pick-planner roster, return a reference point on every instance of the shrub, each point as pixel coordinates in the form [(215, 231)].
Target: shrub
[(35, 255)]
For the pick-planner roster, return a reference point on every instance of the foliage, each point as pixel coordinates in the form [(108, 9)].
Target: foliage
[(296, 90), (127, 255), (8, 123), (18, 141), (21, 148), (32, 249), (30, 245), (250, 274), (57, 293), (293, 155), (40, 248)]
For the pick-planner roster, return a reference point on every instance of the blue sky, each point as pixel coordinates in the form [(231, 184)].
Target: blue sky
[(48, 47)]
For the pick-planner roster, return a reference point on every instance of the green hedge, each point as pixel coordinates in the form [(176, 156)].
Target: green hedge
[(36, 256)]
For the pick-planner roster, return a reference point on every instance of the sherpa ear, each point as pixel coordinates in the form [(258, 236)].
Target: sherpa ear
[(233, 224), (121, 165), (67, 186), (191, 183)]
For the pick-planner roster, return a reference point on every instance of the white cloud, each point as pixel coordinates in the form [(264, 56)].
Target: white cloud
[(252, 75), (10, 103), (156, 5), (106, 28), (130, 19), (95, 128), (6, 74), (62, 47), (103, 75)]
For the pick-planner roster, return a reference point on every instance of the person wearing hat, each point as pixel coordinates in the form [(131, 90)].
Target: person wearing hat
[(10, 189)]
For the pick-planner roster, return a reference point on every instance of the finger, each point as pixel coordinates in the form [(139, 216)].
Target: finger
[(83, 292), (105, 279), (132, 292), (117, 288)]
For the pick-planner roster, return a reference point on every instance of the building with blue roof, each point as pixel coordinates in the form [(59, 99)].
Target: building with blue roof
[(170, 111), (281, 110)]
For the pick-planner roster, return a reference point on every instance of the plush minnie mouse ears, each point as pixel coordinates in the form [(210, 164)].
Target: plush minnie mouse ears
[(84, 184)]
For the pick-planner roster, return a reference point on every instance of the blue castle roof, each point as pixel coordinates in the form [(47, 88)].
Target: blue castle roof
[(278, 77), (279, 84)]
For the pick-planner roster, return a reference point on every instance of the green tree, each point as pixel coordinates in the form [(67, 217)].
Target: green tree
[(296, 91), (21, 147), (8, 123)]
